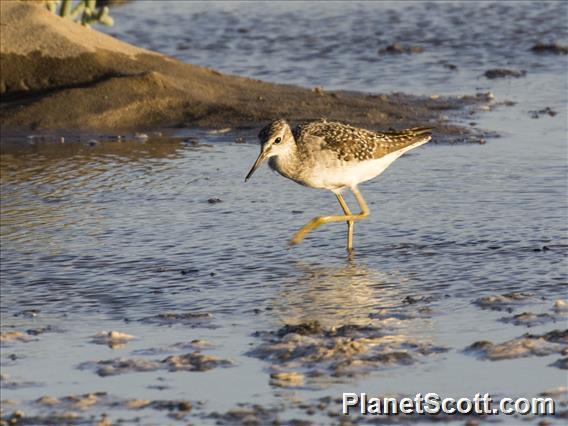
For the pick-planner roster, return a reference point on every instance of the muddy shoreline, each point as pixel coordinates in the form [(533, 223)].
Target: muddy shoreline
[(69, 78)]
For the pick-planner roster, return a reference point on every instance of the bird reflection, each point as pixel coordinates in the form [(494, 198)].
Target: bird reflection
[(336, 295)]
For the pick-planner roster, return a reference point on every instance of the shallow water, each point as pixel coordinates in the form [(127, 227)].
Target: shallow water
[(101, 237)]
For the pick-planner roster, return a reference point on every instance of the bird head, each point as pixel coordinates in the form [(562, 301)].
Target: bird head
[(275, 139)]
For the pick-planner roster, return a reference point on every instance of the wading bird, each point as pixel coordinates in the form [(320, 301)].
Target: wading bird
[(329, 155)]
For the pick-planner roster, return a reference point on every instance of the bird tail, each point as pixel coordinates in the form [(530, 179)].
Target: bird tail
[(414, 131), (412, 137)]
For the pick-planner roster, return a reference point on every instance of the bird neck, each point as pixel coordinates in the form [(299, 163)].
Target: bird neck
[(286, 163)]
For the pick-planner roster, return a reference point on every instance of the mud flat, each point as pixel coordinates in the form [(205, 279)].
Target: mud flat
[(62, 76), (322, 353)]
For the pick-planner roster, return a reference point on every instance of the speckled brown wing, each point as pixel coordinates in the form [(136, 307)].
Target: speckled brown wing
[(351, 143), (394, 141)]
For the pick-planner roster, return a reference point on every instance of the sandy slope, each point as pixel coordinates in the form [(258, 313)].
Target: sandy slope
[(56, 74)]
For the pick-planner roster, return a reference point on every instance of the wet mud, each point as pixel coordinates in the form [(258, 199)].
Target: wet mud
[(77, 409), (311, 352), (553, 342), (506, 302), (529, 319), (192, 361)]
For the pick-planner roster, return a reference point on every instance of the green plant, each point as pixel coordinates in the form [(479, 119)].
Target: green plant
[(85, 12)]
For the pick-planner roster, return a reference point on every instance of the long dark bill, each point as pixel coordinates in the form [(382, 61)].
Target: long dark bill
[(256, 165)]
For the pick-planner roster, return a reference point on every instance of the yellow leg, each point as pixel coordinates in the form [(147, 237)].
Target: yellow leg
[(350, 223), (318, 221)]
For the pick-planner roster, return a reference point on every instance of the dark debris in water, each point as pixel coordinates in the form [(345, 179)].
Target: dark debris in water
[(287, 379), (529, 319), (555, 48), (113, 367), (303, 329), (390, 315), (554, 336), (411, 300), (544, 111), (192, 319), (504, 73), (41, 330), (561, 363), (28, 313), (193, 361), (195, 344), (506, 301), (19, 417), (398, 49), (255, 414), (177, 409), (7, 383)]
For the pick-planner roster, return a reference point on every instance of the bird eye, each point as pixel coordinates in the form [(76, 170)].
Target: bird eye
[(278, 140)]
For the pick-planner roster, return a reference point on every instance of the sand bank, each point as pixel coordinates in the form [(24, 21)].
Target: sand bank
[(58, 75)]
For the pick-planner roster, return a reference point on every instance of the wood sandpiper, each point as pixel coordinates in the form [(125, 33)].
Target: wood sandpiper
[(329, 155)]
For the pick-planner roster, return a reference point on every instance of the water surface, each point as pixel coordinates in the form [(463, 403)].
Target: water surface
[(100, 236)]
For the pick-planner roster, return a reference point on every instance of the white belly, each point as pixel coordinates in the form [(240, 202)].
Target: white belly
[(349, 173)]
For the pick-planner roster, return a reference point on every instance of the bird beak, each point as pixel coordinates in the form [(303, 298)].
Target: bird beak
[(257, 164)]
